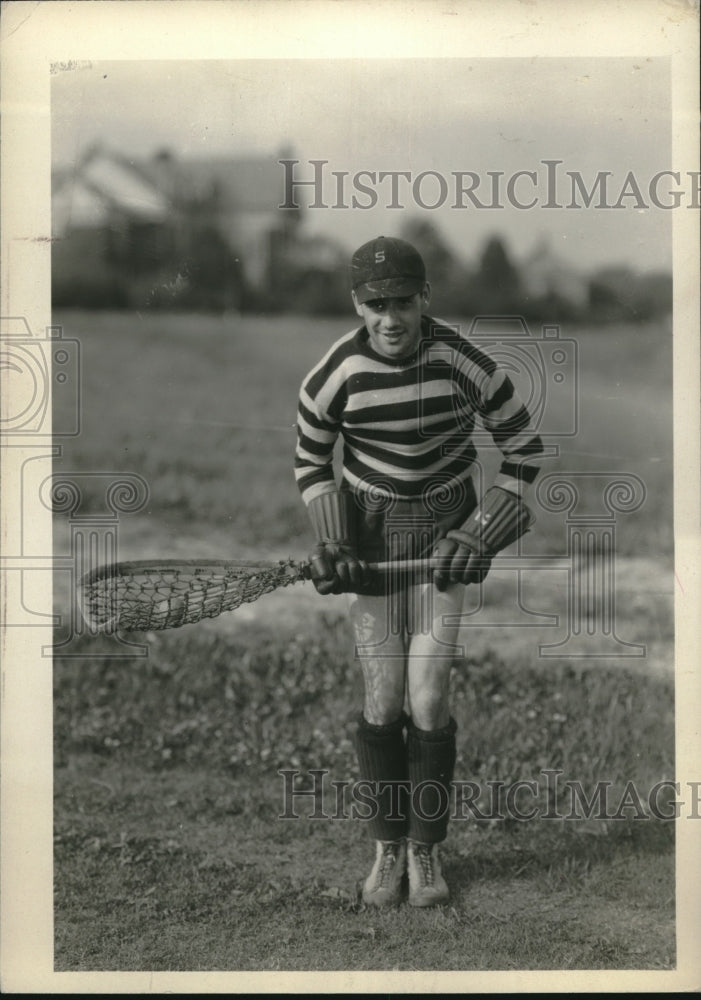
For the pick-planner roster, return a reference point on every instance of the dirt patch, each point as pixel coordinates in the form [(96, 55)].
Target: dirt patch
[(525, 614)]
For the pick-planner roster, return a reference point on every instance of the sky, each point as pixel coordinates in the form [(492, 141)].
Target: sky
[(486, 116)]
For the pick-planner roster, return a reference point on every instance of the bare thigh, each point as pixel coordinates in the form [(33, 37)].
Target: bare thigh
[(381, 647), (431, 651), (406, 650)]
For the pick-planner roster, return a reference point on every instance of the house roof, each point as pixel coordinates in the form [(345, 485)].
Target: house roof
[(119, 183), (249, 184), (146, 190), (99, 184)]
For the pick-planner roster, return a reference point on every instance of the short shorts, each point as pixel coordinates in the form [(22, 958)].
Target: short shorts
[(389, 529)]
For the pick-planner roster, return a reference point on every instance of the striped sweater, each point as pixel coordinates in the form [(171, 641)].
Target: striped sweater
[(408, 426)]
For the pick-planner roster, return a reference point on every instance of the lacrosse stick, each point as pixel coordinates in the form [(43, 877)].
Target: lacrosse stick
[(143, 596)]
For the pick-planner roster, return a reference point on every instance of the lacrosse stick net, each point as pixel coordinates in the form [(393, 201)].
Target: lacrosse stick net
[(146, 596)]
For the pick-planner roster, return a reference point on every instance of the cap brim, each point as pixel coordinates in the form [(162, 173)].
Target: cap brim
[(388, 288)]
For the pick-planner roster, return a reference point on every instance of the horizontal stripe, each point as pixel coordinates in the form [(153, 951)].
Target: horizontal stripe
[(409, 413), (396, 378), (406, 489), (522, 473), (337, 354), (307, 446), (510, 426), (413, 460), (506, 411), (397, 395), (465, 353), (308, 414), (534, 446), (305, 478), (510, 483), (357, 462), (416, 440), (408, 422), (307, 459), (503, 394), (308, 431), (438, 425)]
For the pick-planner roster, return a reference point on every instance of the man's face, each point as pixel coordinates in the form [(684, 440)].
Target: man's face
[(394, 325)]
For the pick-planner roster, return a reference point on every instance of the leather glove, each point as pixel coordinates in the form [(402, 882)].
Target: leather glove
[(455, 562), (465, 554), (336, 568)]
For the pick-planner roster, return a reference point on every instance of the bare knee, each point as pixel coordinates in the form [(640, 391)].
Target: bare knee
[(429, 697), (384, 690), (384, 669), (430, 711), (381, 708)]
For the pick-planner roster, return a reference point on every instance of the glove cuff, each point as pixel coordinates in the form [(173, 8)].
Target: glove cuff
[(330, 514), (463, 538), (499, 520)]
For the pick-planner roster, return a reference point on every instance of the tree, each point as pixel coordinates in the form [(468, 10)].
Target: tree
[(498, 286), (447, 274)]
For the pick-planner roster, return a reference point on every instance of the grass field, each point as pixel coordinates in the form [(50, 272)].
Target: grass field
[(170, 853), (204, 409)]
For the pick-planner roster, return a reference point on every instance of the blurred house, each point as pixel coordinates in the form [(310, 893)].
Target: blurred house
[(107, 221), (168, 227), (105, 192), (240, 198)]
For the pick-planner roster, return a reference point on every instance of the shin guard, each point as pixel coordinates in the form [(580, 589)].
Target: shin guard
[(382, 761), (431, 760)]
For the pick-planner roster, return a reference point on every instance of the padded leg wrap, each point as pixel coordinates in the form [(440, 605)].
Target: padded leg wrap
[(431, 760), (383, 764)]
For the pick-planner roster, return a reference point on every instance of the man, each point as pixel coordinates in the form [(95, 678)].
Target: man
[(403, 392)]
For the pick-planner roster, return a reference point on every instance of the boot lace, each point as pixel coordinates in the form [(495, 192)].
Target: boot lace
[(424, 855), (387, 863)]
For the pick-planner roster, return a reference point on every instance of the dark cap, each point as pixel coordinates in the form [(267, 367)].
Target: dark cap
[(386, 268)]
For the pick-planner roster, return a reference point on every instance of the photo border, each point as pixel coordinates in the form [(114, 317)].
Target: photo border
[(35, 35)]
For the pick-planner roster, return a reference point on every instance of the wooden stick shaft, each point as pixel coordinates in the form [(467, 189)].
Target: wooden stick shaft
[(394, 565), (408, 565)]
